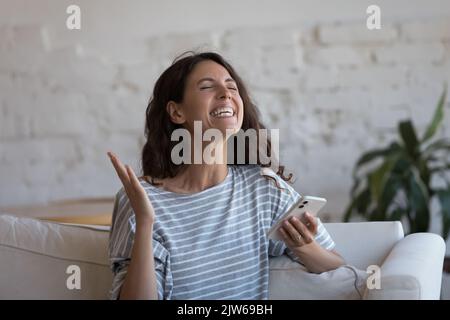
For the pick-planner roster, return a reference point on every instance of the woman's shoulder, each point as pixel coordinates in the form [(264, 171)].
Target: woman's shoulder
[(258, 174), (248, 172), (245, 168), (257, 179)]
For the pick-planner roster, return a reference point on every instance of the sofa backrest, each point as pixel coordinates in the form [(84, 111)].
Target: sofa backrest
[(41, 260), (365, 243)]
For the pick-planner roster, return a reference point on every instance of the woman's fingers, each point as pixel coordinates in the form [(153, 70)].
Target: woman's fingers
[(134, 181), (120, 170), (286, 237), (136, 194), (301, 229), (127, 176), (295, 236), (311, 223)]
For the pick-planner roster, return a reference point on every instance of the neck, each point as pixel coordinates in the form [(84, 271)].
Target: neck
[(198, 177)]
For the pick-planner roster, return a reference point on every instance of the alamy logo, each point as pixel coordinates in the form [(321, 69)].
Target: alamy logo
[(74, 280), (207, 146), (374, 279), (73, 21), (374, 18)]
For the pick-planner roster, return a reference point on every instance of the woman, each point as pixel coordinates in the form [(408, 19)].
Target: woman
[(198, 231)]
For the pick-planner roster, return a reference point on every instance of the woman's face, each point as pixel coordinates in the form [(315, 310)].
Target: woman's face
[(212, 97)]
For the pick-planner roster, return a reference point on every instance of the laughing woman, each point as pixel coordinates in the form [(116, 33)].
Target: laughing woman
[(198, 231)]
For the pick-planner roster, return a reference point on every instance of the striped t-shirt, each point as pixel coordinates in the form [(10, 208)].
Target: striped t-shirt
[(211, 244)]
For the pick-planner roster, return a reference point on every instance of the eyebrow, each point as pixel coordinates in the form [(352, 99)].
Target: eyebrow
[(211, 79)]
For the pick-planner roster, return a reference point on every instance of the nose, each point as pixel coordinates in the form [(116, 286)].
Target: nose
[(224, 93)]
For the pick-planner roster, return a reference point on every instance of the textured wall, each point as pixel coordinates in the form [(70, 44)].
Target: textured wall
[(332, 87)]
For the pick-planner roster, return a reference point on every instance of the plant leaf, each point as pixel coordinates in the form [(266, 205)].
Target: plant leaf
[(379, 177), (402, 165), (356, 183), (409, 137), (418, 198), (397, 214), (392, 186), (360, 202), (363, 201), (444, 198), (369, 156), (349, 211), (424, 172), (441, 144), (437, 118)]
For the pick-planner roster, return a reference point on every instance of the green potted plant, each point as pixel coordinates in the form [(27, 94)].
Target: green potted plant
[(395, 182)]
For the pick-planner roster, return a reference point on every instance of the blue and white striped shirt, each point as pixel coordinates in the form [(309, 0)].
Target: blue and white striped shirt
[(211, 244)]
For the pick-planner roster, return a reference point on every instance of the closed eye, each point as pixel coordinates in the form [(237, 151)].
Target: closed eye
[(202, 88)]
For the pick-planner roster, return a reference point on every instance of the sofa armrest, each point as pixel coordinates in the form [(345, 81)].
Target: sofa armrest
[(365, 243), (412, 270)]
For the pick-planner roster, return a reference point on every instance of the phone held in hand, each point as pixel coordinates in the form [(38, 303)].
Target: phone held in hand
[(309, 204)]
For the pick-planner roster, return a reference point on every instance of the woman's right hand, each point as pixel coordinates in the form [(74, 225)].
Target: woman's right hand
[(139, 200)]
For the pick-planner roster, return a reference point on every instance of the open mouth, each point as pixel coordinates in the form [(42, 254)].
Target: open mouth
[(222, 112)]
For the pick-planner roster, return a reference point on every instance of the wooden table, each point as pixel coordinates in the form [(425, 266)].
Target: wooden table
[(96, 211)]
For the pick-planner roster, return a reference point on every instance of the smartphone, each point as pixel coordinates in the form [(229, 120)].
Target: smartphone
[(309, 204)]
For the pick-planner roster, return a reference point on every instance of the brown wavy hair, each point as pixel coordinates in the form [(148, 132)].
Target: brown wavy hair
[(156, 153)]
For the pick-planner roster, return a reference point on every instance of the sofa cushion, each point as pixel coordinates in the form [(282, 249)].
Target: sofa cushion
[(291, 281), (36, 256)]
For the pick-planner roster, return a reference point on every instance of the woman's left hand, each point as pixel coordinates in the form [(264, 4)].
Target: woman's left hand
[(297, 233)]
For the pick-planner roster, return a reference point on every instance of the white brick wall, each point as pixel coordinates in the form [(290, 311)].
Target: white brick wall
[(339, 55), (426, 30), (411, 53), (356, 33), (332, 87)]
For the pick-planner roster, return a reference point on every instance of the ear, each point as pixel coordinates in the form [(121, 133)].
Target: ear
[(175, 112)]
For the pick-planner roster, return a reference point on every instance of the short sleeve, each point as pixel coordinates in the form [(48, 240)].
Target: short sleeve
[(282, 197), (120, 246)]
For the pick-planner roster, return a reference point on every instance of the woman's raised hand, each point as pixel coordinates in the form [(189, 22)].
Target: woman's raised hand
[(139, 200)]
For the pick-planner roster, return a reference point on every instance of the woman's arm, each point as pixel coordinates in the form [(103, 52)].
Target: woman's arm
[(318, 259), (140, 281), (299, 237)]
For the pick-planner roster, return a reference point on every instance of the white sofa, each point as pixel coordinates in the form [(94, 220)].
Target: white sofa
[(35, 260)]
